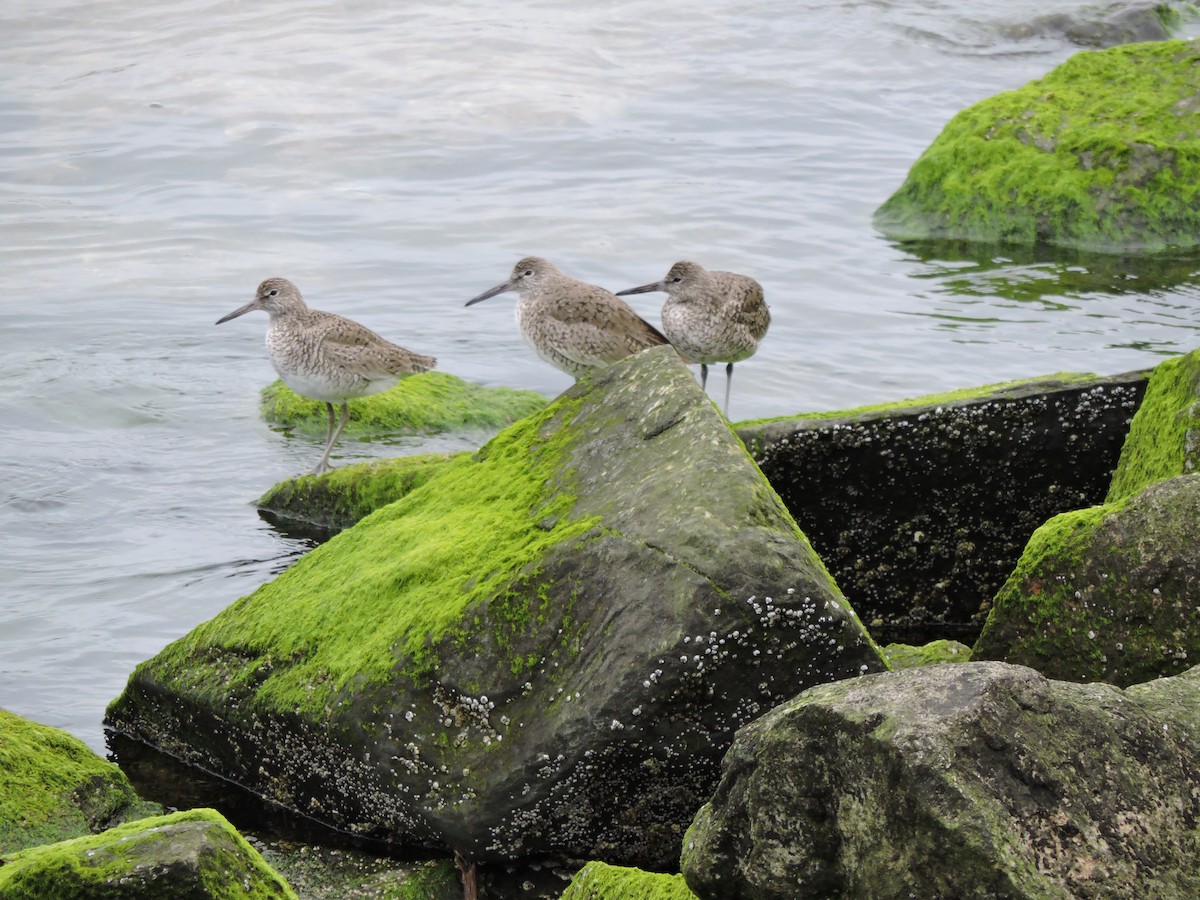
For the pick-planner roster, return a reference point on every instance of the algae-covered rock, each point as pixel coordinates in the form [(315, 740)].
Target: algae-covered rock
[(195, 854), (428, 403), (1108, 592), (54, 787), (1103, 154), (921, 508), (973, 780), (338, 499), (600, 881), (906, 656), (543, 651)]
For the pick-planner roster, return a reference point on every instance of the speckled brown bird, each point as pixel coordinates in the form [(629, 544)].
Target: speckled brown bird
[(711, 317), (577, 327), (327, 357)]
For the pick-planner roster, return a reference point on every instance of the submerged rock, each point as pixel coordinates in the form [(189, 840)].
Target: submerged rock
[(55, 787), (1102, 154), (543, 651), (195, 854), (973, 780), (921, 508), (1108, 26), (428, 403)]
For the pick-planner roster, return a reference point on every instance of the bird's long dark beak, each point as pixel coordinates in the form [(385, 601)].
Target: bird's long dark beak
[(490, 292), (252, 305), (644, 289)]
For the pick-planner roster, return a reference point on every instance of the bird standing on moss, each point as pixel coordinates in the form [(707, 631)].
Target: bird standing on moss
[(327, 357), (577, 327), (711, 317)]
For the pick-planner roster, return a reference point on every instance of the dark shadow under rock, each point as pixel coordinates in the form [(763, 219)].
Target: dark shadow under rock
[(920, 510)]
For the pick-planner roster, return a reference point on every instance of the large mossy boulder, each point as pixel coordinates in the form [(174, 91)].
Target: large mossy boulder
[(921, 508), (1109, 592), (54, 787), (194, 855), (973, 780), (1101, 154), (544, 651), (428, 403)]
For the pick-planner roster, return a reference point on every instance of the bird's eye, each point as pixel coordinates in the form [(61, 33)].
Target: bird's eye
[(677, 279), (274, 292), (527, 273)]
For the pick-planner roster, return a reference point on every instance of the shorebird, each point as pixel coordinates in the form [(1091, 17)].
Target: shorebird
[(575, 326), (711, 317), (327, 357)]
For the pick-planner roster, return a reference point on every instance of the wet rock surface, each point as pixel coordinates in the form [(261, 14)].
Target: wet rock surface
[(195, 854), (971, 780), (921, 510), (544, 651)]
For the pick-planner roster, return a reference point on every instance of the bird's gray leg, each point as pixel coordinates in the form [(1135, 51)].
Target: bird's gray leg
[(328, 421), (323, 465), (703, 375), (728, 385)]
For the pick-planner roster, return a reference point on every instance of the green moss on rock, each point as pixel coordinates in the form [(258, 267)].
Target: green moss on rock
[(195, 854), (1106, 593), (1103, 153), (600, 881), (421, 404), (454, 543), (338, 499), (1164, 436), (55, 787), (907, 656)]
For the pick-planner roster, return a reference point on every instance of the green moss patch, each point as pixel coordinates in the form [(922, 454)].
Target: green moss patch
[(600, 881), (1103, 154), (188, 854), (338, 499), (1164, 436), (375, 599), (908, 656), (55, 787), (422, 404)]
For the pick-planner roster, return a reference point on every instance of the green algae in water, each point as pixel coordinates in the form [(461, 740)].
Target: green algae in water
[(421, 404)]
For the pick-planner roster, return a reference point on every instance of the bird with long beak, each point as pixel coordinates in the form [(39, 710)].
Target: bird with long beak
[(711, 317), (577, 327), (327, 357)]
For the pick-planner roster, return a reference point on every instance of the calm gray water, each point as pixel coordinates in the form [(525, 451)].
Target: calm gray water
[(157, 160)]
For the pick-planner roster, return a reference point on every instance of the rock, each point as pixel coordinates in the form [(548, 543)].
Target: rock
[(1109, 592), (973, 780), (1108, 26), (428, 403), (336, 500), (542, 652), (906, 656), (920, 509), (195, 854), (56, 788), (599, 881), (1102, 154)]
